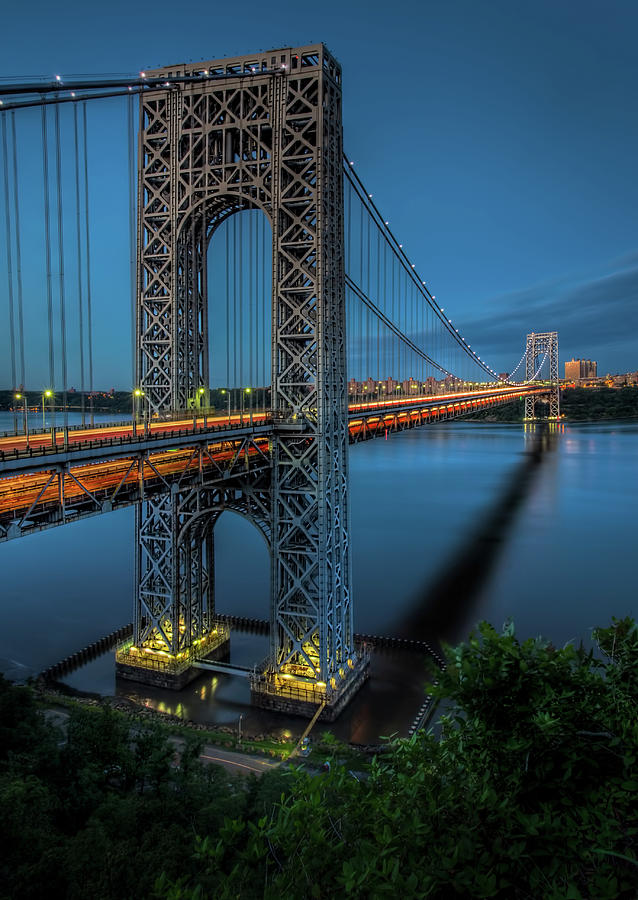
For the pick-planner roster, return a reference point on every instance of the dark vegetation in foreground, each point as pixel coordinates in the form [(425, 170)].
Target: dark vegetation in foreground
[(530, 791), (576, 404)]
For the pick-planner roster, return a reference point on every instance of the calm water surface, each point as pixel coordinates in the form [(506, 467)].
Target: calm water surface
[(562, 564)]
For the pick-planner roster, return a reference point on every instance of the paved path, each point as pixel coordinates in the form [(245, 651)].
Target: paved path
[(238, 762)]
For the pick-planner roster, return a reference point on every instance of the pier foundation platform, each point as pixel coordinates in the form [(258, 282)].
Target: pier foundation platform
[(160, 669)]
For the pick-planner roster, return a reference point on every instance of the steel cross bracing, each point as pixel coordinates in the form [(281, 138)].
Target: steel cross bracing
[(37, 492), (537, 345), (272, 142)]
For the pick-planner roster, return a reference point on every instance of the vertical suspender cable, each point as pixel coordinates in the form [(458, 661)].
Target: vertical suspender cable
[(227, 252), (259, 346), (58, 178), (393, 292), (251, 301), (266, 300), (18, 252), (369, 278), (131, 231), (203, 306), (378, 300), (47, 251), (241, 299), (12, 348), (360, 305), (348, 229), (78, 234), (89, 322), (235, 353), (256, 305)]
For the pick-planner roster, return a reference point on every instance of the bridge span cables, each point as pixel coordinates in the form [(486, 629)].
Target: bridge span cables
[(408, 311), (45, 187)]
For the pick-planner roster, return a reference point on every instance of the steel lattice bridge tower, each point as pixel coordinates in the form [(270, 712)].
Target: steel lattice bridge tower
[(545, 345), (269, 137), (259, 133)]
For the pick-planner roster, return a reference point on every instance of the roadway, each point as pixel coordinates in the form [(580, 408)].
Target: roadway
[(437, 406), (123, 431), (91, 472)]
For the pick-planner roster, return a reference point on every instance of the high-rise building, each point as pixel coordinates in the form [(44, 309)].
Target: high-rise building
[(576, 369)]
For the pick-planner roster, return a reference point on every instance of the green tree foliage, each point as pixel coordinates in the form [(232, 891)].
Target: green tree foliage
[(529, 791), (589, 404), (576, 405)]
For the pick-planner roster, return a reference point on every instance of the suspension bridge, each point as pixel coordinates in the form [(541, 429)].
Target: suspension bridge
[(277, 319)]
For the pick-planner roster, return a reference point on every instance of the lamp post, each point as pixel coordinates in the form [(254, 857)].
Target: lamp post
[(243, 393), (202, 399), (45, 395), (137, 393), (224, 391), (26, 415), (198, 404)]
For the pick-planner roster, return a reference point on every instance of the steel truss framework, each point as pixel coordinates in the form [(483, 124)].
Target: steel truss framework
[(269, 138), (55, 495), (538, 345)]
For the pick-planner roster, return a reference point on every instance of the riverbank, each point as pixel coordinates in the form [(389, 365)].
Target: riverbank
[(321, 745), (576, 405)]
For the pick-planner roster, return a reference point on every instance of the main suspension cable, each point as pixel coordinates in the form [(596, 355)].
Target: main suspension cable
[(409, 268)]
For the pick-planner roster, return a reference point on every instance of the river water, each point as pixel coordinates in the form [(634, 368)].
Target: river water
[(558, 559)]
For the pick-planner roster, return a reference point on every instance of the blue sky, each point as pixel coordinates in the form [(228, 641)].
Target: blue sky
[(499, 138)]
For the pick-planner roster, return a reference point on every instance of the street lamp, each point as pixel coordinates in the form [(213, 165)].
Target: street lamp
[(243, 393), (45, 394), (26, 415), (224, 391), (137, 393), (202, 399)]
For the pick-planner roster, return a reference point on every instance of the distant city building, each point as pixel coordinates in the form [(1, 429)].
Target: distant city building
[(430, 384), (410, 386), (503, 376), (576, 369)]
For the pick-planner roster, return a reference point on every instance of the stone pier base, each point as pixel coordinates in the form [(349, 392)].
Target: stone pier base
[(170, 675), (270, 692)]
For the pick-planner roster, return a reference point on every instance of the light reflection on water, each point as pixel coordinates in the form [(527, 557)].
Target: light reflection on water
[(564, 566)]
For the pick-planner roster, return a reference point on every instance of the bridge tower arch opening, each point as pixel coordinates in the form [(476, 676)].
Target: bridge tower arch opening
[(239, 282), (264, 131)]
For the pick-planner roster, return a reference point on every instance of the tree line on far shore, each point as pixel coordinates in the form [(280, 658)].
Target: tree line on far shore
[(576, 404)]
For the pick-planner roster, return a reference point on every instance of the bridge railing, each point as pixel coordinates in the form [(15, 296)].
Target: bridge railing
[(121, 440)]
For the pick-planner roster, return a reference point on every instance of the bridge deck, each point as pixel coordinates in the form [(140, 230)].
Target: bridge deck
[(110, 440), (101, 469)]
